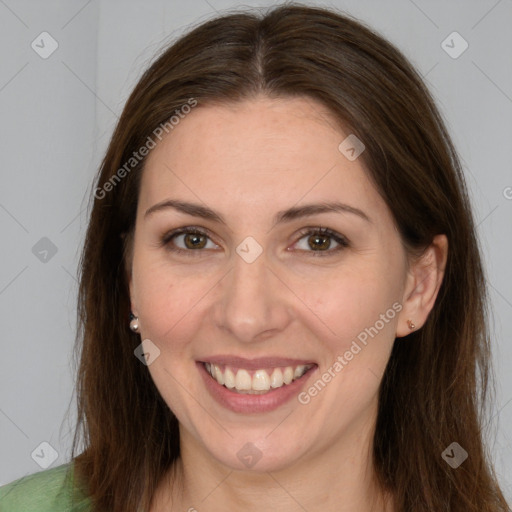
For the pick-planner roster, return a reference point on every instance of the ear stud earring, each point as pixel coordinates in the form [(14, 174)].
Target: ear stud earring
[(411, 325), (134, 323)]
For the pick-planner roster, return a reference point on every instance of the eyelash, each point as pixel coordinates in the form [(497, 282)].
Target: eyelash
[(341, 240)]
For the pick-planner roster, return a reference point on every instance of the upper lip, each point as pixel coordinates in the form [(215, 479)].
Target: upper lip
[(255, 364)]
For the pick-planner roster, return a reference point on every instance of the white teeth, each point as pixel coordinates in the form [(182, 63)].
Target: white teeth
[(260, 382), (229, 379), (298, 371), (276, 379), (288, 375), (218, 375), (243, 380)]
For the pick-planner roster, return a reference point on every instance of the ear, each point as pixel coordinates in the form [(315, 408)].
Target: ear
[(423, 282)]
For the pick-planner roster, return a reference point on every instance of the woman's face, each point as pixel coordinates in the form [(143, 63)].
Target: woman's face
[(255, 292)]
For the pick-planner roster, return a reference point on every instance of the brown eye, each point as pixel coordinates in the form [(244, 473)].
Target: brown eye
[(187, 239), (194, 241), (319, 242)]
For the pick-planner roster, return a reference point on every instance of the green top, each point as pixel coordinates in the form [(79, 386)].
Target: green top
[(50, 490)]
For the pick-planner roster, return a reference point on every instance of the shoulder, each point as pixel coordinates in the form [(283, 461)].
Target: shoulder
[(51, 490)]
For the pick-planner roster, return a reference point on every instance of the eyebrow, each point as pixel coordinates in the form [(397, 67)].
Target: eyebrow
[(288, 215)]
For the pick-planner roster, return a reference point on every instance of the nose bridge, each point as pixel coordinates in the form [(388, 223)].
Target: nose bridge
[(251, 303)]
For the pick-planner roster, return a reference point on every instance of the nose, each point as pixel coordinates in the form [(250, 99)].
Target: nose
[(253, 304)]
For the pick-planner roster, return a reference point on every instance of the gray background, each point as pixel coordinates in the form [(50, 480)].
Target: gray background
[(57, 115)]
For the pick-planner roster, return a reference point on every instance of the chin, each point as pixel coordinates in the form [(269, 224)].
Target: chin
[(259, 454)]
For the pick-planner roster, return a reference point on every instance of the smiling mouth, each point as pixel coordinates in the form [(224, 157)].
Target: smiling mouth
[(257, 382)]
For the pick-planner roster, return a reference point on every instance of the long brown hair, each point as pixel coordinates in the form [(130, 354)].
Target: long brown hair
[(435, 386)]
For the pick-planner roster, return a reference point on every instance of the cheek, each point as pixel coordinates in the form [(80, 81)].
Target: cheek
[(166, 301), (168, 305), (355, 323), (347, 303), (355, 317)]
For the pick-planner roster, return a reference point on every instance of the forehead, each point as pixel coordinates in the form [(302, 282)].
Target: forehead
[(256, 152)]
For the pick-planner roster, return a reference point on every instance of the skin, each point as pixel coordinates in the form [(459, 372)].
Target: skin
[(247, 161)]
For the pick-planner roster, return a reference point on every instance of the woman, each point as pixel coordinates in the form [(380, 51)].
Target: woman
[(282, 301)]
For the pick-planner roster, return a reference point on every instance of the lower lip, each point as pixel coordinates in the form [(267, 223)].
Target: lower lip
[(246, 403)]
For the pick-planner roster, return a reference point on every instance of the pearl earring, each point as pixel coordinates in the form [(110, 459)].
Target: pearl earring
[(411, 325), (134, 324)]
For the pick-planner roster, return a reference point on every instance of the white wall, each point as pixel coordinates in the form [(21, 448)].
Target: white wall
[(57, 115)]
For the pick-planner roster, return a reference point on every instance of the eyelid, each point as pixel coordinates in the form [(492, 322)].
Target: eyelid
[(340, 239), (167, 237)]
